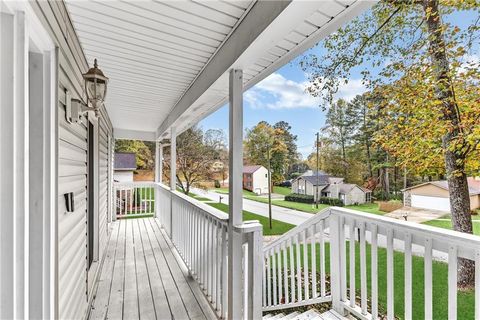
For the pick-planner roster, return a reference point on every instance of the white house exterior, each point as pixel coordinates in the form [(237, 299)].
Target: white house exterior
[(124, 166), (64, 254), (255, 179), (331, 187)]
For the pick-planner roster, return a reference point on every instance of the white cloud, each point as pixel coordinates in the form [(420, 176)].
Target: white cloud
[(277, 92)]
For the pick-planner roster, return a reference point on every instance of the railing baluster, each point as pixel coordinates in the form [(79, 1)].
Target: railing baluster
[(374, 270), (264, 282), (305, 264), (292, 269), (352, 262), (343, 259), (274, 276), (390, 288), (285, 273), (279, 266), (314, 260), (452, 282), (299, 270), (363, 269), (477, 284), (428, 278), (322, 260), (269, 279), (408, 275)]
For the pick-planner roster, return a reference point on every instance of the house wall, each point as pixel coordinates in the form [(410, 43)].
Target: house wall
[(260, 181), (123, 176), (248, 181), (73, 283), (355, 196), (474, 202)]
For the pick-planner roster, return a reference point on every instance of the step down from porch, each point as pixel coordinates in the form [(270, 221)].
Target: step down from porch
[(307, 315)]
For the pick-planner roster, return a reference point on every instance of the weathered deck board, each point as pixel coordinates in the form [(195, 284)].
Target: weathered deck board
[(142, 278)]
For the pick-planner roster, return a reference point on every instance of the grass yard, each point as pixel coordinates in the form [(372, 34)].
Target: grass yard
[(278, 226), (282, 190), (367, 207), (445, 222), (466, 299), (290, 204)]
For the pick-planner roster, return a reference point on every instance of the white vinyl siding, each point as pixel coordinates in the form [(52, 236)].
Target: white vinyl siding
[(72, 177)]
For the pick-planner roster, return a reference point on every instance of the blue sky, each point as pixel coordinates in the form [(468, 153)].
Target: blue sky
[(282, 96)]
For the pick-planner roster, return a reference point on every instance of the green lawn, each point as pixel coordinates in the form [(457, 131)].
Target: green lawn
[(466, 299), (290, 204), (367, 207), (278, 226), (445, 222), (282, 190)]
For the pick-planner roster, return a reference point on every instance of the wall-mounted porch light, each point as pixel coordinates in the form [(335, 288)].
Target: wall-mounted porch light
[(95, 89)]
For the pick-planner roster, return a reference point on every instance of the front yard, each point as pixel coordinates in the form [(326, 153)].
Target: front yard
[(278, 227), (445, 222)]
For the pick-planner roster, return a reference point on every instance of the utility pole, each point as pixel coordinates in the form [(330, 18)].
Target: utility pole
[(269, 189), (316, 187)]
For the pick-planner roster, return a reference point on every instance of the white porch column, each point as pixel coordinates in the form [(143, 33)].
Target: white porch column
[(173, 159), (173, 171), (158, 175), (235, 195)]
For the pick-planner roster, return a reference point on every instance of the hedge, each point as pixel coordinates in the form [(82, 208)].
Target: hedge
[(305, 198), (296, 197)]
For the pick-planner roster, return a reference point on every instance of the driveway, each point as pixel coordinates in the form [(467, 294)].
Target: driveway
[(416, 214)]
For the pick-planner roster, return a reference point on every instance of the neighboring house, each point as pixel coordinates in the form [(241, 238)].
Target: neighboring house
[(125, 165), (434, 195), (255, 179), (332, 187)]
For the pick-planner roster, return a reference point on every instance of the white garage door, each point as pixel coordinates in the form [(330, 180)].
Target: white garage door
[(433, 203)]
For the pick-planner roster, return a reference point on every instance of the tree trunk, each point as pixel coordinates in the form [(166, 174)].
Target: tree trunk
[(454, 159)]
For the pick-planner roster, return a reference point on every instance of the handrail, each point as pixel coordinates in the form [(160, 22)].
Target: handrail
[(134, 198), (321, 215), (214, 212), (200, 234), (287, 276), (442, 238)]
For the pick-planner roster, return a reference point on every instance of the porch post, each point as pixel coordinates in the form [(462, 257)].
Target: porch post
[(235, 194), (173, 171), (158, 175)]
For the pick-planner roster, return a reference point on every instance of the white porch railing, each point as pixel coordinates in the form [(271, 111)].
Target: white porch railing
[(134, 198), (291, 271), (200, 235)]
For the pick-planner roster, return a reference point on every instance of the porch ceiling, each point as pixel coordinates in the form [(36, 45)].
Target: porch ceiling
[(168, 61)]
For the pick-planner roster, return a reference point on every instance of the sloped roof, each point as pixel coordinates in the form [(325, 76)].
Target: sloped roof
[(125, 161), (473, 185), (322, 179), (251, 169)]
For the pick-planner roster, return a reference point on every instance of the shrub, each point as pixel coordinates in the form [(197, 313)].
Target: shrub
[(217, 184), (331, 201), (296, 197), (389, 206)]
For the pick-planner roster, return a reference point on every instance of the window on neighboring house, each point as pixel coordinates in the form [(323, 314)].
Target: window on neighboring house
[(368, 197)]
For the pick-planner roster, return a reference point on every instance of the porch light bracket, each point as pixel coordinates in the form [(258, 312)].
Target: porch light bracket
[(95, 86)]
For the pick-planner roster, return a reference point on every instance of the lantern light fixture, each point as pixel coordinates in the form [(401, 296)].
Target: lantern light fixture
[(95, 84)]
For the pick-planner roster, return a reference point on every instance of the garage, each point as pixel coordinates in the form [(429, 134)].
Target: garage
[(429, 202)]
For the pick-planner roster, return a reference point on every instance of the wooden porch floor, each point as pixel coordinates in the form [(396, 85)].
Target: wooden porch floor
[(143, 277)]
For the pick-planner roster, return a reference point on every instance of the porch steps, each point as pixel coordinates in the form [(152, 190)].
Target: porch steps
[(311, 314)]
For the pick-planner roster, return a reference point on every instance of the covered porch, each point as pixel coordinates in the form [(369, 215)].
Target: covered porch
[(144, 278)]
